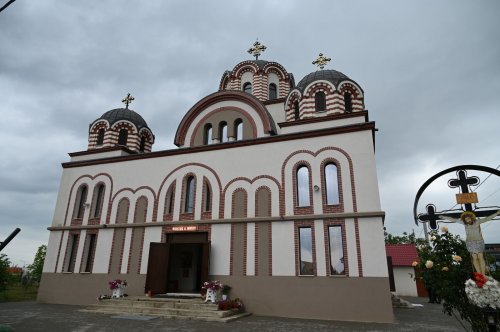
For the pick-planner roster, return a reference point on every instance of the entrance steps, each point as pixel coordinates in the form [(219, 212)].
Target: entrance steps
[(175, 308)]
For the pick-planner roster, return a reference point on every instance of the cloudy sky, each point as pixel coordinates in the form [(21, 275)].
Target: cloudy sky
[(430, 71)]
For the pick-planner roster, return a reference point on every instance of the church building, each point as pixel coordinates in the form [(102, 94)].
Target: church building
[(272, 190)]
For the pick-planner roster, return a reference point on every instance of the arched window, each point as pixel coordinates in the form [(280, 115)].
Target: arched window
[(320, 101), (99, 198), (348, 102), (296, 110), (247, 87), (273, 91), (207, 204), (331, 184), (238, 129), (189, 199), (122, 137), (169, 200), (302, 179), (223, 132), (100, 137), (81, 199), (142, 146), (207, 134)]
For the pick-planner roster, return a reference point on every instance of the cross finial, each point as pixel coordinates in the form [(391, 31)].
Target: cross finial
[(321, 61), (256, 49), (127, 100)]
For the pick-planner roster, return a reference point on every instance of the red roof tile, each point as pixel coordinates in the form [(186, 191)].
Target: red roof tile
[(402, 254)]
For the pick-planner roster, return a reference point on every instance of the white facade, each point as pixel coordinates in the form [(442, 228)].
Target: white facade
[(237, 200)]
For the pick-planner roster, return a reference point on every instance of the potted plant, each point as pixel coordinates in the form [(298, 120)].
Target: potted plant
[(118, 287), (213, 289)]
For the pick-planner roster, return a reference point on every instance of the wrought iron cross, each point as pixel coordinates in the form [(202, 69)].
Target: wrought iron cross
[(463, 182), (256, 49), (321, 61), (127, 100)]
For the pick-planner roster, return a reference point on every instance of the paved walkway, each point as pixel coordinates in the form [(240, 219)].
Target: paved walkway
[(32, 316)]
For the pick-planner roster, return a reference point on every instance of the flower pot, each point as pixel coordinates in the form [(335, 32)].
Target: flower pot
[(118, 292)]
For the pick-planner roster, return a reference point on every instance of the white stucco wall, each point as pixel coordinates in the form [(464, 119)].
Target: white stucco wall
[(404, 282), (373, 254), (283, 249), (220, 249)]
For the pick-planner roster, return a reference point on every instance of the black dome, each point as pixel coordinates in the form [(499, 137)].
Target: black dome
[(119, 114), (330, 75)]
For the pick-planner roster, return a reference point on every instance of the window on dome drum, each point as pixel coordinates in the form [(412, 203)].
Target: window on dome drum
[(238, 129), (336, 250), (296, 110), (223, 132), (273, 91), (81, 198), (189, 199), (99, 198), (143, 143), (100, 137), (305, 254), (207, 204), (207, 134), (302, 179), (122, 137), (247, 87), (348, 102), (320, 101), (331, 184)]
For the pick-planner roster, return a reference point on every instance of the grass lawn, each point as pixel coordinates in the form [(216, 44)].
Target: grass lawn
[(17, 292)]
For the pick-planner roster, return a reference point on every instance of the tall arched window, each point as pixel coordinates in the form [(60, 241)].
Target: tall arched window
[(223, 132), (81, 199), (296, 110), (169, 200), (238, 129), (302, 179), (320, 101), (247, 87), (207, 204), (99, 198), (189, 199), (273, 91), (100, 137), (348, 102), (207, 134), (122, 137), (331, 184)]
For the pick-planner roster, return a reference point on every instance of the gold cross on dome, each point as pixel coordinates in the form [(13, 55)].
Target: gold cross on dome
[(321, 61), (256, 49), (127, 100)]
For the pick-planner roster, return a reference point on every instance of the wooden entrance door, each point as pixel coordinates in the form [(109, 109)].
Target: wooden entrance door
[(156, 279)]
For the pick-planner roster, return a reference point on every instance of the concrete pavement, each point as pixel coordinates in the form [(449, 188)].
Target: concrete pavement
[(32, 316)]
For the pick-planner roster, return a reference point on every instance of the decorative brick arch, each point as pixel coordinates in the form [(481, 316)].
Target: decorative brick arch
[(263, 119)]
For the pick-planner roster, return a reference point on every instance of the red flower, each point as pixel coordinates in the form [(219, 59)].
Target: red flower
[(479, 279)]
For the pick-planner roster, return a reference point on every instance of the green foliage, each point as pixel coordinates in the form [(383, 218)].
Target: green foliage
[(446, 278), (403, 239), (4, 274), (36, 268)]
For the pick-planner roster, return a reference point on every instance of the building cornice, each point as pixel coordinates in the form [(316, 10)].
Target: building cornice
[(228, 145), (342, 215)]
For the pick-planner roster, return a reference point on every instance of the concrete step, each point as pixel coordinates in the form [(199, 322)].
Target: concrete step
[(165, 308)]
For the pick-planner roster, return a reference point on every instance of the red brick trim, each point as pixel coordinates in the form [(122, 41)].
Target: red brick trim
[(170, 191), (125, 221), (358, 247)]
